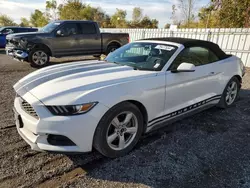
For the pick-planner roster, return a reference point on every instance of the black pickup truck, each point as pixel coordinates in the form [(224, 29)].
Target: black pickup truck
[(63, 38)]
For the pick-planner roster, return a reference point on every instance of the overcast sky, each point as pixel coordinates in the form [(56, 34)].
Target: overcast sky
[(158, 9)]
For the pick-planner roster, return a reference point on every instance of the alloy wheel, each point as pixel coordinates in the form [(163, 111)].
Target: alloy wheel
[(231, 93), (122, 131), (40, 58)]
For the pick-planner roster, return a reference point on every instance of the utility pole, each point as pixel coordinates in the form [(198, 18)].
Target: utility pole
[(189, 10)]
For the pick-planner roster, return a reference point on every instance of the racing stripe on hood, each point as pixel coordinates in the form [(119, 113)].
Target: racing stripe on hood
[(61, 73), (56, 71)]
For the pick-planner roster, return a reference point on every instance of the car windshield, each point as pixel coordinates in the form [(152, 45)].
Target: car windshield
[(143, 55), (50, 27)]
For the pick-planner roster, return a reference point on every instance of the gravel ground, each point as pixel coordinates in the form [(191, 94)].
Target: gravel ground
[(210, 149)]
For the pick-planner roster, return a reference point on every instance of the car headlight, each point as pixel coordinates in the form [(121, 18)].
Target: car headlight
[(68, 110)]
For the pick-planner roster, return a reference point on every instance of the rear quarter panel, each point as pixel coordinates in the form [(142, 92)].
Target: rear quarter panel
[(228, 68), (107, 38)]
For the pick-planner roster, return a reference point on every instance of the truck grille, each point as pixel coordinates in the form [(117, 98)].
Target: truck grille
[(29, 109)]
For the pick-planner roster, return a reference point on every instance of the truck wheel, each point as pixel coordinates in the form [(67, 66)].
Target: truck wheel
[(119, 130), (112, 48), (38, 57)]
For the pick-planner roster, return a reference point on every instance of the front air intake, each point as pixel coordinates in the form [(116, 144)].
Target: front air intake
[(29, 109)]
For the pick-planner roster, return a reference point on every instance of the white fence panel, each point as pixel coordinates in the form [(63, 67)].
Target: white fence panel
[(234, 41)]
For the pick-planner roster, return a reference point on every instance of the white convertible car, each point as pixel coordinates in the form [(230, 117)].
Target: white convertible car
[(110, 104)]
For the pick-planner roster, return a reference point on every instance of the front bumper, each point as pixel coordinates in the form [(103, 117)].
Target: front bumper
[(79, 129), (16, 53)]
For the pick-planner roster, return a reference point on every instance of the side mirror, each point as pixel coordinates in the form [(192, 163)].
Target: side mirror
[(184, 67), (59, 33)]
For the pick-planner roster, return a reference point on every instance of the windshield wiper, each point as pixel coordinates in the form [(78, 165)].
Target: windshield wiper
[(113, 62)]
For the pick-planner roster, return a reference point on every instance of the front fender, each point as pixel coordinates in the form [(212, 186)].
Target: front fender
[(150, 92)]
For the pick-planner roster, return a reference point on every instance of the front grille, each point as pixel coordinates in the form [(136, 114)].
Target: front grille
[(29, 109)]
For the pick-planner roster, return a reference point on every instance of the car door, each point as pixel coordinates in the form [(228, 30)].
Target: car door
[(90, 40), (66, 40), (4, 33), (188, 90)]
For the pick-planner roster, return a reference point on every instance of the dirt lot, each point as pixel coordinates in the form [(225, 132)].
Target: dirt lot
[(210, 149)]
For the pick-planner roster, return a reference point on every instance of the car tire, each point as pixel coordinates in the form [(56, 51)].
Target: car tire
[(39, 57), (111, 48), (114, 141), (230, 93)]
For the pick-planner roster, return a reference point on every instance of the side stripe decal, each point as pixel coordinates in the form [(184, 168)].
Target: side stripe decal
[(183, 110)]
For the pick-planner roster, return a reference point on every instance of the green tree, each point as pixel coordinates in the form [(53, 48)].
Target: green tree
[(24, 22), (141, 21), (6, 20), (225, 13), (234, 13), (38, 19), (167, 26), (118, 19), (146, 22), (51, 8), (137, 14), (101, 18), (208, 18), (72, 10), (76, 10), (154, 23)]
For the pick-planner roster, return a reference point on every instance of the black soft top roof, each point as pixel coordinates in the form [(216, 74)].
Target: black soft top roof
[(195, 43)]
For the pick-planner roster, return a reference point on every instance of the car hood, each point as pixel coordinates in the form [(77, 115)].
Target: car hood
[(26, 35), (63, 84)]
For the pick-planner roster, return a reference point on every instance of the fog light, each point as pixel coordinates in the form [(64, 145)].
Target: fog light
[(59, 140)]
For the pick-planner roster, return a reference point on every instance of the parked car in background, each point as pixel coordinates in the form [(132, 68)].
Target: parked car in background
[(63, 38), (110, 104), (4, 31)]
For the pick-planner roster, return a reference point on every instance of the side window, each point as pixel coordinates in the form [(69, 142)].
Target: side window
[(205, 55), (185, 56), (194, 55), (8, 31), (69, 29), (22, 30), (88, 28)]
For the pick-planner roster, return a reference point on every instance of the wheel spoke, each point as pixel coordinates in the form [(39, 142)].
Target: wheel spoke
[(233, 86), (128, 118), (116, 122), (231, 98), (112, 137), (234, 92), (121, 142), (131, 130)]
